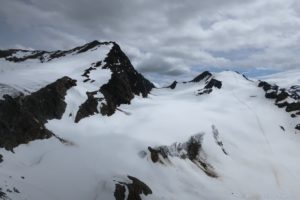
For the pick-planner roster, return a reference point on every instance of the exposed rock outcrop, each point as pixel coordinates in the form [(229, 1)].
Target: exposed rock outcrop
[(89, 107), (213, 83), (217, 139), (125, 82), (134, 188), (203, 76), (3, 195), (173, 85), (22, 118), (288, 98), (191, 150), (284, 98), (210, 83)]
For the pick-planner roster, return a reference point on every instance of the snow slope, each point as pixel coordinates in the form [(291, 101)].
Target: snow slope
[(31, 75), (262, 160)]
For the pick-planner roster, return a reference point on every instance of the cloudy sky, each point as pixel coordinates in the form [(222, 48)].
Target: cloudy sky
[(168, 37)]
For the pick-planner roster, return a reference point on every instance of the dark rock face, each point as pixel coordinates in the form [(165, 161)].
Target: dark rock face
[(89, 46), (173, 85), (22, 118), (134, 189), (3, 195), (293, 107), (188, 150), (213, 83), (89, 107), (124, 83), (280, 95), (158, 151), (120, 192), (204, 91), (87, 72), (266, 86), (193, 148), (298, 127), (203, 76), (209, 85), (1, 158), (48, 102), (217, 139)]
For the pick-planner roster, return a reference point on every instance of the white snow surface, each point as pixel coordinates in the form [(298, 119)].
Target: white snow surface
[(262, 161), (32, 75)]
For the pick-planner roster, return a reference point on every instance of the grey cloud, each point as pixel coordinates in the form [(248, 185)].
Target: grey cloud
[(163, 36), (156, 64)]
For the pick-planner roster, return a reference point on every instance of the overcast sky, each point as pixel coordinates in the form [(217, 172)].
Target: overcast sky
[(169, 37)]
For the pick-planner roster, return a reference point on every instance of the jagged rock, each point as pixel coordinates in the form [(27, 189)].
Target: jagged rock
[(48, 103), (125, 81), (298, 127), (203, 76), (193, 148), (88, 71), (217, 139), (90, 45), (295, 92), (173, 85), (293, 107), (282, 104), (88, 108), (1, 158), (283, 97), (6, 53), (271, 95), (208, 88), (188, 150), (22, 118), (204, 91), (266, 86), (3, 195), (134, 189), (120, 192), (155, 153), (213, 83)]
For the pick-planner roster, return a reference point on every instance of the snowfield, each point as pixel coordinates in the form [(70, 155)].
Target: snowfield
[(261, 143)]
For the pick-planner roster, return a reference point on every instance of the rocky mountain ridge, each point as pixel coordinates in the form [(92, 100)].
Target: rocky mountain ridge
[(85, 124)]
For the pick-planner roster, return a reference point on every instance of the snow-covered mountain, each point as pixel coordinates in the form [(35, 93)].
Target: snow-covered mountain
[(84, 124)]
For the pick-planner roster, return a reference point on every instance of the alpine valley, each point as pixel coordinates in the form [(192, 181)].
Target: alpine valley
[(84, 124)]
